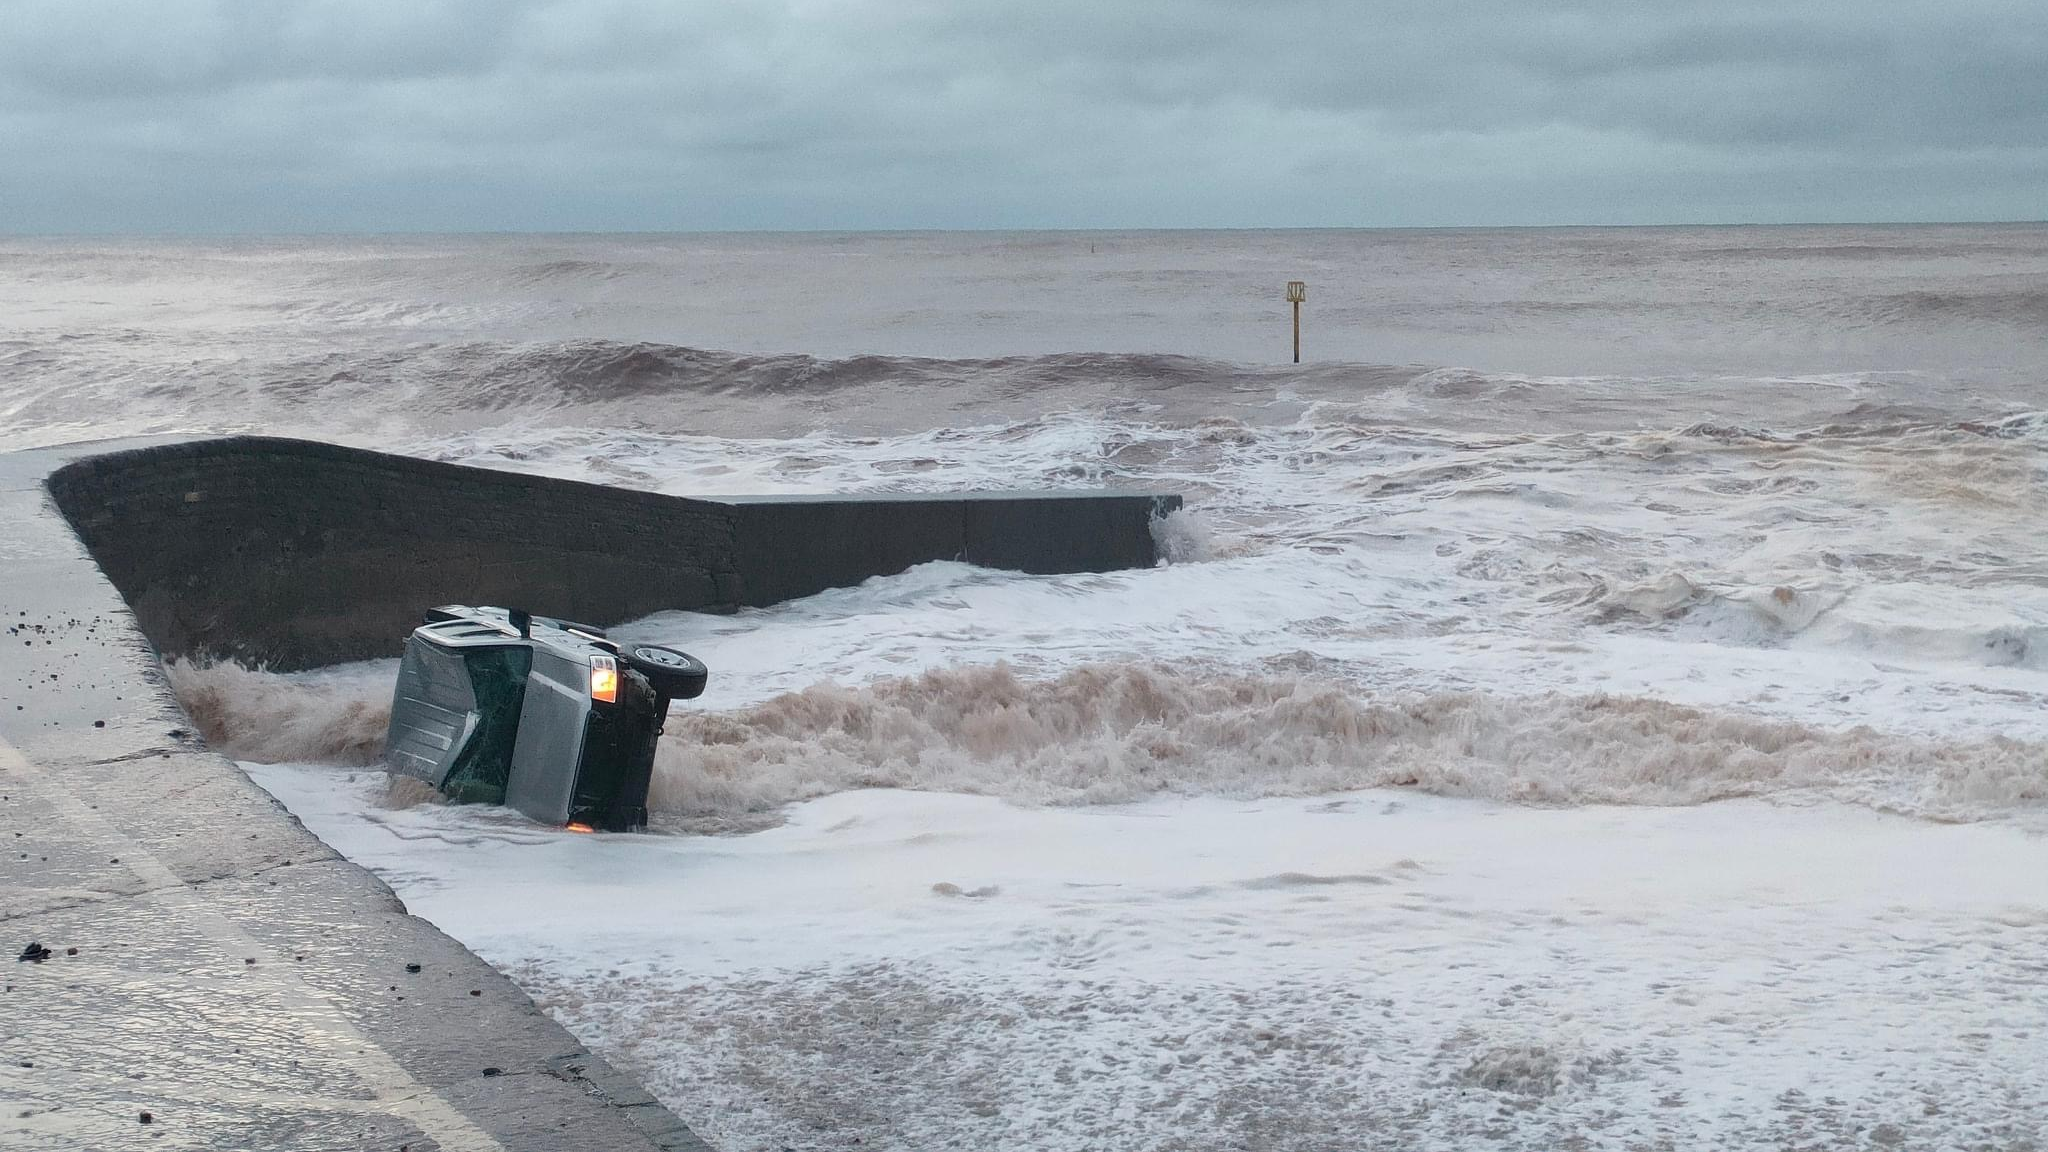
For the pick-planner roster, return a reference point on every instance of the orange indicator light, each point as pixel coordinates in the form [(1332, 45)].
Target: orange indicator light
[(604, 679)]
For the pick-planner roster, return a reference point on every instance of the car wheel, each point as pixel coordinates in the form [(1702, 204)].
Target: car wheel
[(675, 674)]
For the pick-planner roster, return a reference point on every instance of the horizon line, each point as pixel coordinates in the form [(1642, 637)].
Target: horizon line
[(223, 234)]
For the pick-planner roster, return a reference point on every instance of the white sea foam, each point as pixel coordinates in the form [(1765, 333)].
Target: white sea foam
[(1291, 974)]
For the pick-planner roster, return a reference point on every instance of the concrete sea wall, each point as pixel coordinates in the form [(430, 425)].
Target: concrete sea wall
[(296, 553)]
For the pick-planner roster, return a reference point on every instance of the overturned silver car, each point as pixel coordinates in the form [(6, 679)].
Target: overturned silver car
[(497, 706)]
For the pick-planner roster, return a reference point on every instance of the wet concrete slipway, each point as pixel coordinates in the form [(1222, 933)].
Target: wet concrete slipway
[(217, 977)]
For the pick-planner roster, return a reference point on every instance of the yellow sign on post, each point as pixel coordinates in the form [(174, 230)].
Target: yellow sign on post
[(1297, 291)]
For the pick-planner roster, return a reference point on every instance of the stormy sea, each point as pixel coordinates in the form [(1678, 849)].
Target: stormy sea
[(1598, 699)]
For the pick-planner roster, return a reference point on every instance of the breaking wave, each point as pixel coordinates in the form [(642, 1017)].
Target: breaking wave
[(431, 387), (603, 370), (250, 714), (1115, 732), (2021, 306), (1110, 733), (1886, 620), (414, 382)]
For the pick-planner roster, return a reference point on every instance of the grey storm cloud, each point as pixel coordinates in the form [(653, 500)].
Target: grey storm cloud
[(225, 115)]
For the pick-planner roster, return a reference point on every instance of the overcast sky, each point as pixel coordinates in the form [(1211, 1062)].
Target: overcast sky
[(312, 115)]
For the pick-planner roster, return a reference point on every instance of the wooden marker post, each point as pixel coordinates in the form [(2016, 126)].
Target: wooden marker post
[(1297, 291)]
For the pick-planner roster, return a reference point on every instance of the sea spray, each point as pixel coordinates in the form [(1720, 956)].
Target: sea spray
[(1183, 536), (253, 714)]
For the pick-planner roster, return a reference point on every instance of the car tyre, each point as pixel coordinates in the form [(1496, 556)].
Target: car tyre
[(675, 674)]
